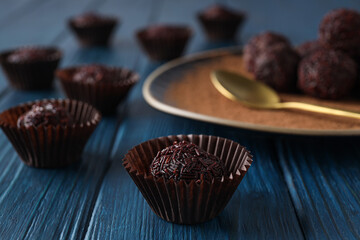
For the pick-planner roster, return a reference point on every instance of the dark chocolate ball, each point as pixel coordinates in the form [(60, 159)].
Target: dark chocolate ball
[(219, 12), (327, 74), (308, 47), (186, 161), (259, 43), (45, 114), (340, 29), (165, 32), (277, 67), (94, 73), (91, 19), (29, 54)]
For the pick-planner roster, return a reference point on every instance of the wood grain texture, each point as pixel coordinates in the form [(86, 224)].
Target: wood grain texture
[(324, 183), (59, 201), (17, 8)]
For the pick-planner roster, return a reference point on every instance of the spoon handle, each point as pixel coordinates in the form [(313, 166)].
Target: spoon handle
[(318, 109)]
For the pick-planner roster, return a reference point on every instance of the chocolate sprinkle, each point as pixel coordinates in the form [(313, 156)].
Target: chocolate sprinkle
[(45, 114), (29, 54), (94, 73), (91, 19), (186, 161)]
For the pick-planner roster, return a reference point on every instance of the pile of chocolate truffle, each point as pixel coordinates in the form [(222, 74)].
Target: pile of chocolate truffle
[(324, 68)]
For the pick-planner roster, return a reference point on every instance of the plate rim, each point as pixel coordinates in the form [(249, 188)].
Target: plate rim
[(161, 106)]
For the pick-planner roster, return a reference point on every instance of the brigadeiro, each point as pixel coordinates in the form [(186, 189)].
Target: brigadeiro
[(31, 68), (308, 47), (102, 86), (46, 114), (187, 179), (277, 67), (220, 22), (164, 42), (28, 55), (49, 133), (92, 29), (339, 29), (327, 74), (186, 161), (258, 44)]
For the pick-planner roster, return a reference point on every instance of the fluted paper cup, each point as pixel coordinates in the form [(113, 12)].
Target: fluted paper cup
[(94, 35), (50, 146), (31, 75), (105, 96), (160, 49), (188, 202)]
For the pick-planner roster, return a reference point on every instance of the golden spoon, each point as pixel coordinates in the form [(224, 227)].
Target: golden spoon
[(257, 95)]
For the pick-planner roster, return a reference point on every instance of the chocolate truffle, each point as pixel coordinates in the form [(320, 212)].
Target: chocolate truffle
[(29, 54), (92, 29), (164, 32), (186, 161), (277, 67), (259, 43), (327, 74), (308, 47), (94, 73), (339, 29), (104, 87), (30, 68), (92, 19), (164, 42), (220, 22), (45, 114)]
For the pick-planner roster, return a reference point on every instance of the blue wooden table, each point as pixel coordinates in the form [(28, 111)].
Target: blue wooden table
[(297, 187)]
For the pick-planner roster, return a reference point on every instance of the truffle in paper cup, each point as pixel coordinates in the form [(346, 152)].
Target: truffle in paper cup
[(55, 145), (220, 23), (104, 95), (164, 42), (92, 29), (188, 202), (31, 74)]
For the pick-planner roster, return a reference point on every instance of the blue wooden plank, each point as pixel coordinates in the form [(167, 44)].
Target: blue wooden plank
[(62, 202), (260, 208), (42, 25), (323, 179), (12, 9)]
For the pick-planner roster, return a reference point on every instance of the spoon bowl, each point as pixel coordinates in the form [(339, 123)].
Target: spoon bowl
[(258, 95), (243, 89)]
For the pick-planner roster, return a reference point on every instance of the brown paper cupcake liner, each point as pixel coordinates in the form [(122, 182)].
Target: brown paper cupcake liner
[(187, 202), (31, 75), (53, 146), (94, 35), (220, 30), (105, 96), (161, 49)]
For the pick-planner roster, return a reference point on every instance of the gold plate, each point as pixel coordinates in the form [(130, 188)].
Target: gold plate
[(159, 84)]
